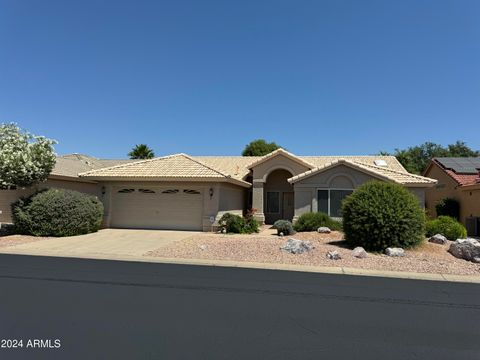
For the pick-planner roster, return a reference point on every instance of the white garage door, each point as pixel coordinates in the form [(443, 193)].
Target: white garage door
[(173, 208)]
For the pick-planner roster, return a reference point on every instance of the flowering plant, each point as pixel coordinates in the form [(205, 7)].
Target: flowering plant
[(25, 159)]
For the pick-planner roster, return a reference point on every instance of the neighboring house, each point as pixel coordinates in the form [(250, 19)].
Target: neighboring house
[(193, 192), (64, 175), (458, 178)]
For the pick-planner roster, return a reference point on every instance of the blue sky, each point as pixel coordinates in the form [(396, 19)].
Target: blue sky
[(206, 77)]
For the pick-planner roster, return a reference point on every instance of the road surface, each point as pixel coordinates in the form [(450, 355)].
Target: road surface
[(96, 309)]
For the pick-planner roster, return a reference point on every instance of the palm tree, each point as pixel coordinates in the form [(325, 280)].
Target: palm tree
[(141, 151)]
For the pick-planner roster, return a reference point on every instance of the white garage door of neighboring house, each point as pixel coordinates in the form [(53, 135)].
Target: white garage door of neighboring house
[(157, 208)]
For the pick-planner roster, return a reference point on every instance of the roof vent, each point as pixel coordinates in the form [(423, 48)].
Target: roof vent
[(380, 162)]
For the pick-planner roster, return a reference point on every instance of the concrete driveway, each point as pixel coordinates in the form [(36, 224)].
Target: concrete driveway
[(106, 243)]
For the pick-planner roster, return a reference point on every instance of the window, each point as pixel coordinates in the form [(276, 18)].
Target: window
[(170, 191), (191, 192), (323, 201), (273, 202), (330, 201), (146, 191), (126, 191)]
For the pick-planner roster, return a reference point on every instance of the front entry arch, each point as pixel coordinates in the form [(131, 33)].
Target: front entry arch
[(278, 196)]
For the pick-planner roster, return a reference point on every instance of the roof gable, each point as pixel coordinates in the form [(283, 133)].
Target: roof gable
[(378, 172), (279, 152)]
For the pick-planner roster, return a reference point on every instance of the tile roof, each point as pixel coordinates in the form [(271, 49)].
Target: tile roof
[(172, 167), (400, 177), (222, 168), (239, 166), (72, 164)]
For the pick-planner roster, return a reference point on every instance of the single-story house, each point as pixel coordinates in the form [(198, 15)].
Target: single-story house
[(192, 192), (459, 179)]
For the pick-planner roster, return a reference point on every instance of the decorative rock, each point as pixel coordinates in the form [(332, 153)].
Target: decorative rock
[(438, 239), (396, 252), (467, 249), (295, 246), (333, 255), (281, 234), (324, 230), (359, 252), (224, 231), (203, 247)]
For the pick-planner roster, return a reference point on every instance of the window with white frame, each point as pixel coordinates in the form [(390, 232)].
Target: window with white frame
[(330, 201)]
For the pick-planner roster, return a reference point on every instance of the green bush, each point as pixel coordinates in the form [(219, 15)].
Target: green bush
[(238, 225), (448, 207), (447, 226), (313, 220), (284, 226), (57, 212), (379, 215)]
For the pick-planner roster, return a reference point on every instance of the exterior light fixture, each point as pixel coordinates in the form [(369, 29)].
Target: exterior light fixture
[(211, 192)]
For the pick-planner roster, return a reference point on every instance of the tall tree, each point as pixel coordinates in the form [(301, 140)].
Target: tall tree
[(259, 147), (141, 151), (416, 158), (460, 149), (25, 159)]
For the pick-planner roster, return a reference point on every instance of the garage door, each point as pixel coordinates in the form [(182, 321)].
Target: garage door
[(157, 208)]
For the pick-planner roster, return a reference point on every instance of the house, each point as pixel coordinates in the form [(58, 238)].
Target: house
[(192, 192), (458, 178)]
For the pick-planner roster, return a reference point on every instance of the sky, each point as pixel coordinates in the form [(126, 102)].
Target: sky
[(207, 77)]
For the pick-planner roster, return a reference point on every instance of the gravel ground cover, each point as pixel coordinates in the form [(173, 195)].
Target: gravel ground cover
[(265, 247), (12, 240)]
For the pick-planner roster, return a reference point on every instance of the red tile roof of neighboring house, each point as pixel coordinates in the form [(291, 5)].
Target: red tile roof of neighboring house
[(463, 179)]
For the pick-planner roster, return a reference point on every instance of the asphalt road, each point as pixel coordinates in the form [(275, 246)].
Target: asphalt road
[(121, 310)]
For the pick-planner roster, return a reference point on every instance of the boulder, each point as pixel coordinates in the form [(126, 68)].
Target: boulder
[(438, 239), (395, 252), (467, 249), (295, 246), (359, 252), (324, 230), (333, 255)]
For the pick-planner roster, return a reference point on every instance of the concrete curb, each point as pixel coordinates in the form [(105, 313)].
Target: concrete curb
[(474, 279)]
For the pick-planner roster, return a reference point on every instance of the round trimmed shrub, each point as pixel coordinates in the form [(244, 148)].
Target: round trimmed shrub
[(57, 212), (313, 220), (448, 207), (379, 215), (284, 226), (238, 225), (447, 226)]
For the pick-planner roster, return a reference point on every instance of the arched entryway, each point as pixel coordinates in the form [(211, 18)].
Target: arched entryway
[(278, 196)]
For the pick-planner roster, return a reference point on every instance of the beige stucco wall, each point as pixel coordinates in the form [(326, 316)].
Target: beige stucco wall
[(339, 177), (447, 187), (9, 196), (226, 198)]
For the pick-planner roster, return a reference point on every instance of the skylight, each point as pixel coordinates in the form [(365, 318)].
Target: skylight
[(380, 162)]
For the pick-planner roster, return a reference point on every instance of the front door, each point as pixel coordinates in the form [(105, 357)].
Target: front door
[(288, 206)]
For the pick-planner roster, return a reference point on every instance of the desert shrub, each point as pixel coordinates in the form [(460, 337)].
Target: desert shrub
[(284, 226), (313, 220), (447, 226), (57, 212), (238, 225), (379, 215), (448, 207)]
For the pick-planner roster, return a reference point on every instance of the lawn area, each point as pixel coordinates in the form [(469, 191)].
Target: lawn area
[(265, 247)]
